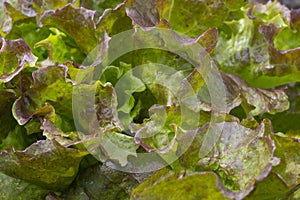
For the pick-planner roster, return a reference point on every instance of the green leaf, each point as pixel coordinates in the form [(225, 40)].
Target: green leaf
[(43, 5), (98, 103), (15, 12), (100, 6), (11, 133), (239, 155), (12, 188), (14, 56), (287, 121), (190, 19), (76, 22), (53, 127), (262, 189), (59, 50), (197, 16), (193, 186), (114, 21), (45, 163), (288, 152), (50, 85), (99, 124), (285, 62), (113, 146), (247, 47), (286, 39), (101, 182), (143, 13), (271, 12), (160, 132), (31, 33), (16, 138), (7, 122), (255, 101), (24, 26)]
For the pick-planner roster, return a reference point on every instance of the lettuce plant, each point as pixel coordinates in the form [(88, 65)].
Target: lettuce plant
[(149, 99)]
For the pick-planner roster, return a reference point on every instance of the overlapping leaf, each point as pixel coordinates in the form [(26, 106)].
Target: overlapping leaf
[(59, 48), (49, 86), (12, 188), (191, 19), (288, 152), (45, 163), (239, 155), (250, 50), (255, 101), (14, 12), (7, 122), (171, 186), (76, 22), (280, 190), (14, 56), (99, 123), (114, 21), (102, 182)]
